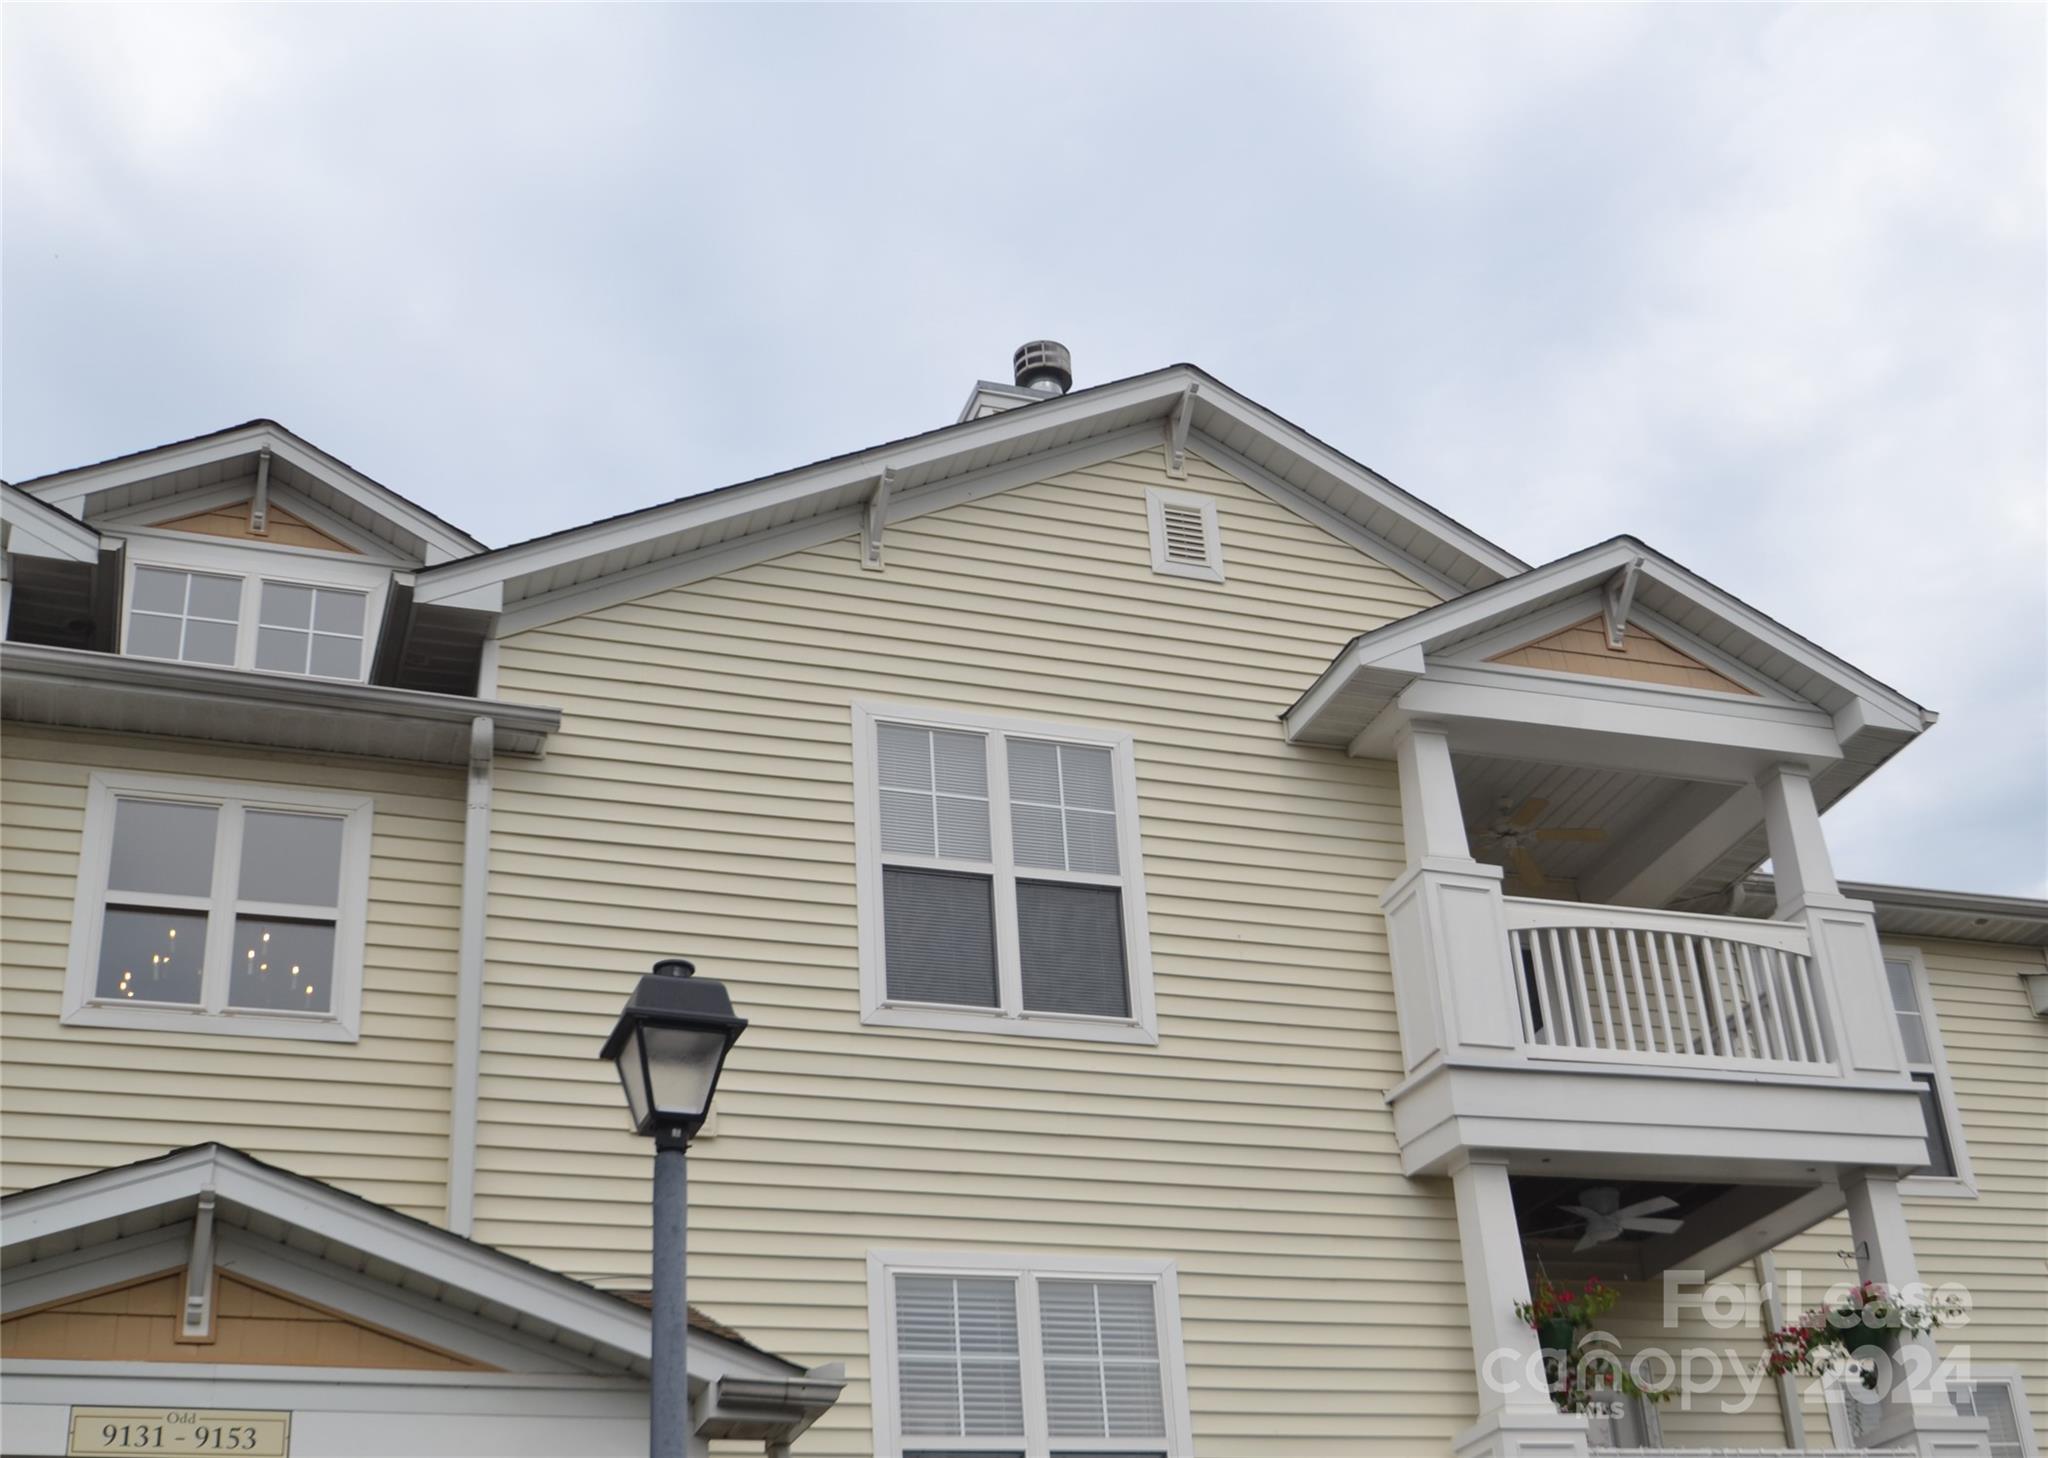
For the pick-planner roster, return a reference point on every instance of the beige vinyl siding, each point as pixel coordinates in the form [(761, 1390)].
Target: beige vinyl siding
[(1997, 1244), (699, 801), (371, 1116)]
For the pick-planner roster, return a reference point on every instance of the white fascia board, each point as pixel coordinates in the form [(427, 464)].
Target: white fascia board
[(733, 553), (1155, 394), (442, 543), (35, 528), (1907, 716), (331, 1215), (1370, 484), (1336, 524), (362, 1225), (1356, 657), (964, 439)]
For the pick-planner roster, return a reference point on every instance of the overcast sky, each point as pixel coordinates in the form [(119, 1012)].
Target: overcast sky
[(1762, 286)]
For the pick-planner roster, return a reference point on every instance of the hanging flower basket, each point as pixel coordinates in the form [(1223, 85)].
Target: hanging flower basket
[(1557, 1334), (1858, 1331)]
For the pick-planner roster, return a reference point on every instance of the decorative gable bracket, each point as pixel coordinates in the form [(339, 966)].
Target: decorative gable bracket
[(259, 504), (1177, 427), (195, 1313), (876, 519), (1615, 600)]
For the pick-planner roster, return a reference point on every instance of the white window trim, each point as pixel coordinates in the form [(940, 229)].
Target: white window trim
[(167, 551), (1999, 1375), (1963, 1184), (1142, 1026), (1157, 499), (341, 1023), (885, 1265)]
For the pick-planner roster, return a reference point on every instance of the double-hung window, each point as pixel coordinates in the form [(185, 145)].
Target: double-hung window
[(1004, 1355), (1000, 885), (1948, 1167), (212, 907)]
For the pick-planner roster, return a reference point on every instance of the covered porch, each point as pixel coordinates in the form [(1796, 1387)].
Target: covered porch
[(1591, 757)]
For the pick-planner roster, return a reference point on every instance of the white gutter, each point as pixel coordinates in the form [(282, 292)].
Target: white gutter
[(469, 983)]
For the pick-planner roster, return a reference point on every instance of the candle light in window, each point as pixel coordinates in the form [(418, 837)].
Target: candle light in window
[(173, 932), (295, 969), (262, 966), (266, 936), (309, 989), (252, 954)]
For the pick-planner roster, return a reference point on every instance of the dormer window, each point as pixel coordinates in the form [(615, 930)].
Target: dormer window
[(316, 631), (193, 617), (310, 620)]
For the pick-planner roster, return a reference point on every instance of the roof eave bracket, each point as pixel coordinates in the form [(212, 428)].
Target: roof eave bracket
[(1615, 599), (1177, 427), (875, 519), (195, 1314), (259, 503)]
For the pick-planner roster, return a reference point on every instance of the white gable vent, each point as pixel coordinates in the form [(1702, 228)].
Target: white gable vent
[(1185, 542)]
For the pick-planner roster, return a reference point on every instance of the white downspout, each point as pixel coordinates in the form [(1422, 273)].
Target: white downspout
[(469, 985), (1791, 1417)]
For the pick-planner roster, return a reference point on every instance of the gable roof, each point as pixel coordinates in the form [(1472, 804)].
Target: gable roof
[(108, 1204), (1867, 720), (1372, 668), (123, 482), (818, 502)]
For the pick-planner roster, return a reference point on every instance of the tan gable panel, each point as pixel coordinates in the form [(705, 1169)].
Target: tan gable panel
[(282, 528), (253, 1325), (1644, 658)]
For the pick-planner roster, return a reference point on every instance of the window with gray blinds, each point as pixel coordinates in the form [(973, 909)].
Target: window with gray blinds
[(1002, 872)]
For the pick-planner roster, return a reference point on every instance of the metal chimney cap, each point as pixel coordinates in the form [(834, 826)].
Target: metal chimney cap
[(1044, 365)]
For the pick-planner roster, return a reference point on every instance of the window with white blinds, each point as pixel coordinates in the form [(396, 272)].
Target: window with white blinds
[(1948, 1164), (1000, 1356), (1000, 882), (1997, 1396)]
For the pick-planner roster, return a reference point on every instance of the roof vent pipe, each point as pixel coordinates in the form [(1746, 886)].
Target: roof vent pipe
[(1045, 366)]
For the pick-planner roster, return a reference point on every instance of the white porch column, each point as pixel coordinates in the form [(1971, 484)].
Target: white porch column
[(1432, 821), (1447, 930), (1915, 1414), (1516, 1416), (1848, 966), (1799, 852)]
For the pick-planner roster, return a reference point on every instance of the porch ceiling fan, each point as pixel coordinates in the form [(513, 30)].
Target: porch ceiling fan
[(1513, 834), (1607, 1218)]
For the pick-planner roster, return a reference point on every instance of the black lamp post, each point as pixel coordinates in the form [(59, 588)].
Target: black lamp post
[(669, 1045)]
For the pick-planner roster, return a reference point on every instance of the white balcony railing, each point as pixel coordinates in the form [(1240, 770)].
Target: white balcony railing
[(1616, 982)]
